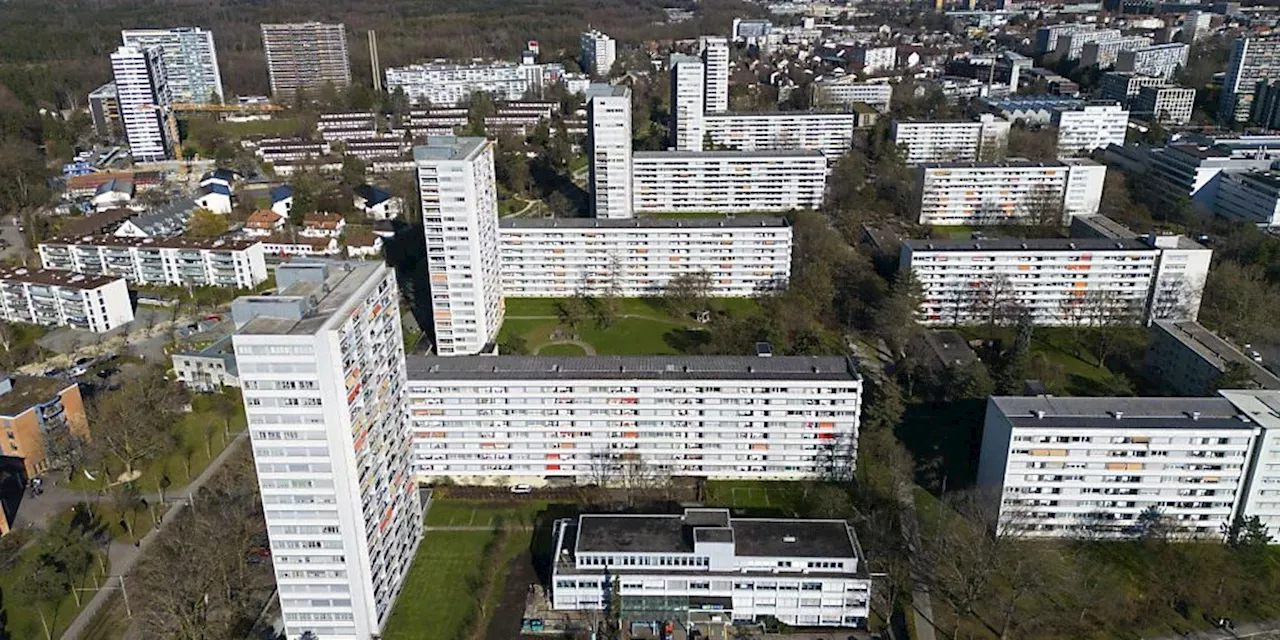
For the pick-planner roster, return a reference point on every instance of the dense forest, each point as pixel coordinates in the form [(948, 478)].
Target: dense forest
[(53, 52)]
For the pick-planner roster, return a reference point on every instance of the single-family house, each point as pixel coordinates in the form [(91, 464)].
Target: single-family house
[(322, 225), (112, 193), (263, 222), (376, 203), (363, 244), (288, 245), (216, 197), (282, 200)]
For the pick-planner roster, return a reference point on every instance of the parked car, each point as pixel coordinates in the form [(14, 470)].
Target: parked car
[(522, 488), (76, 372)]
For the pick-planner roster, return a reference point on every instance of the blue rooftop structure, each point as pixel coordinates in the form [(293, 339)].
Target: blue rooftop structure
[(282, 192), (372, 195), (215, 187)]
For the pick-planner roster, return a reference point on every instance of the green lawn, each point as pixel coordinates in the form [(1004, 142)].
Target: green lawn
[(567, 349), (446, 512), (439, 593), (24, 621), (753, 494)]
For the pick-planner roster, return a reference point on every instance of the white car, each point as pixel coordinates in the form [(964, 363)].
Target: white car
[(522, 488)]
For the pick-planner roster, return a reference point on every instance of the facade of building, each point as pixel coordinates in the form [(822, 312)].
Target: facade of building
[(446, 84), (828, 132), (1058, 282), (183, 262), (706, 566), (609, 150), (1121, 87), (1263, 112), (727, 181), (597, 53), (847, 90), (1090, 127), (874, 59), (33, 411), (104, 109), (1262, 499), (190, 61), (1189, 360), (1165, 104), (1091, 467), (614, 420), (1249, 196), (305, 56), (144, 101), (715, 62), (460, 219), (1047, 37), (1071, 45), (1103, 53), (62, 299), (688, 97), (209, 369), (322, 368), (986, 139), (1009, 192), (561, 257), (1252, 60), (1161, 60)]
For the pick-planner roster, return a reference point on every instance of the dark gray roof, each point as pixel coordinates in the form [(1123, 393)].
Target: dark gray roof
[(764, 537), (1029, 244), (727, 222), (633, 533), (1148, 413), (1214, 350), (631, 368), (660, 155), (793, 538)]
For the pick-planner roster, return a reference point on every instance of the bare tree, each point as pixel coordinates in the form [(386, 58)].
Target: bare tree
[(133, 424), (994, 302), (1043, 207), (688, 290)]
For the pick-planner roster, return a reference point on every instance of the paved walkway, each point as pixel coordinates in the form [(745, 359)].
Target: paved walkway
[(1256, 630), (921, 603), (124, 556), (585, 346)]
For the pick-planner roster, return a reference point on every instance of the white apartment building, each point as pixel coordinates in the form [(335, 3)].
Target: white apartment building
[(1047, 37), (1249, 196), (609, 150), (61, 299), (322, 371), (1165, 104), (1090, 467), (708, 567), (688, 96), (828, 132), (561, 257), (846, 90), (1008, 192), (1121, 87), (1103, 53), (597, 53), (875, 59), (1161, 60), (727, 181), (460, 219), (1093, 126), (1262, 498), (1071, 45), (986, 139), (715, 61), (340, 127), (617, 420), (442, 83), (187, 262), (1058, 281), (1252, 60), (190, 61), (144, 102), (305, 57)]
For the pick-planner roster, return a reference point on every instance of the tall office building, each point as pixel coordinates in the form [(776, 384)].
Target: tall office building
[(609, 150), (460, 219), (189, 58), (1252, 59), (688, 96), (715, 61), (305, 56), (144, 101), (323, 373), (597, 52)]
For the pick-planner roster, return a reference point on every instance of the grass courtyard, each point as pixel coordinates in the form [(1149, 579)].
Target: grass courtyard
[(749, 495), (644, 327)]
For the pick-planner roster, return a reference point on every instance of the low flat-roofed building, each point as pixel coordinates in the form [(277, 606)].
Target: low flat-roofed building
[(1189, 360), (208, 369), (705, 566), (948, 348), (34, 409)]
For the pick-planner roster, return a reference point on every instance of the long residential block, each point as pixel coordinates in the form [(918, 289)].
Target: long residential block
[(1093, 126), (1008, 192), (828, 132), (1058, 282), (160, 261), (706, 564), (62, 299), (986, 138), (621, 420), (1189, 360), (727, 181), (561, 257), (847, 91), (1161, 60)]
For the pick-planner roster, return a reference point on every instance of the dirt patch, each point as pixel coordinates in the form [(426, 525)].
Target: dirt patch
[(505, 623)]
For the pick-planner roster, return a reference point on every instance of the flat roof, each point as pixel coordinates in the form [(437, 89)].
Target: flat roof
[(449, 148), (631, 367), (52, 277), (344, 280), (1105, 226), (752, 537), (221, 243), (1029, 244), (660, 155), (1217, 351), (774, 114), (1101, 413), (599, 89), (1010, 163), (30, 391), (700, 222)]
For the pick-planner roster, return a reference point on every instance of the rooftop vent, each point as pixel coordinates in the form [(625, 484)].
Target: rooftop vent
[(1118, 414), (1195, 415), (1040, 414), (788, 538)]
